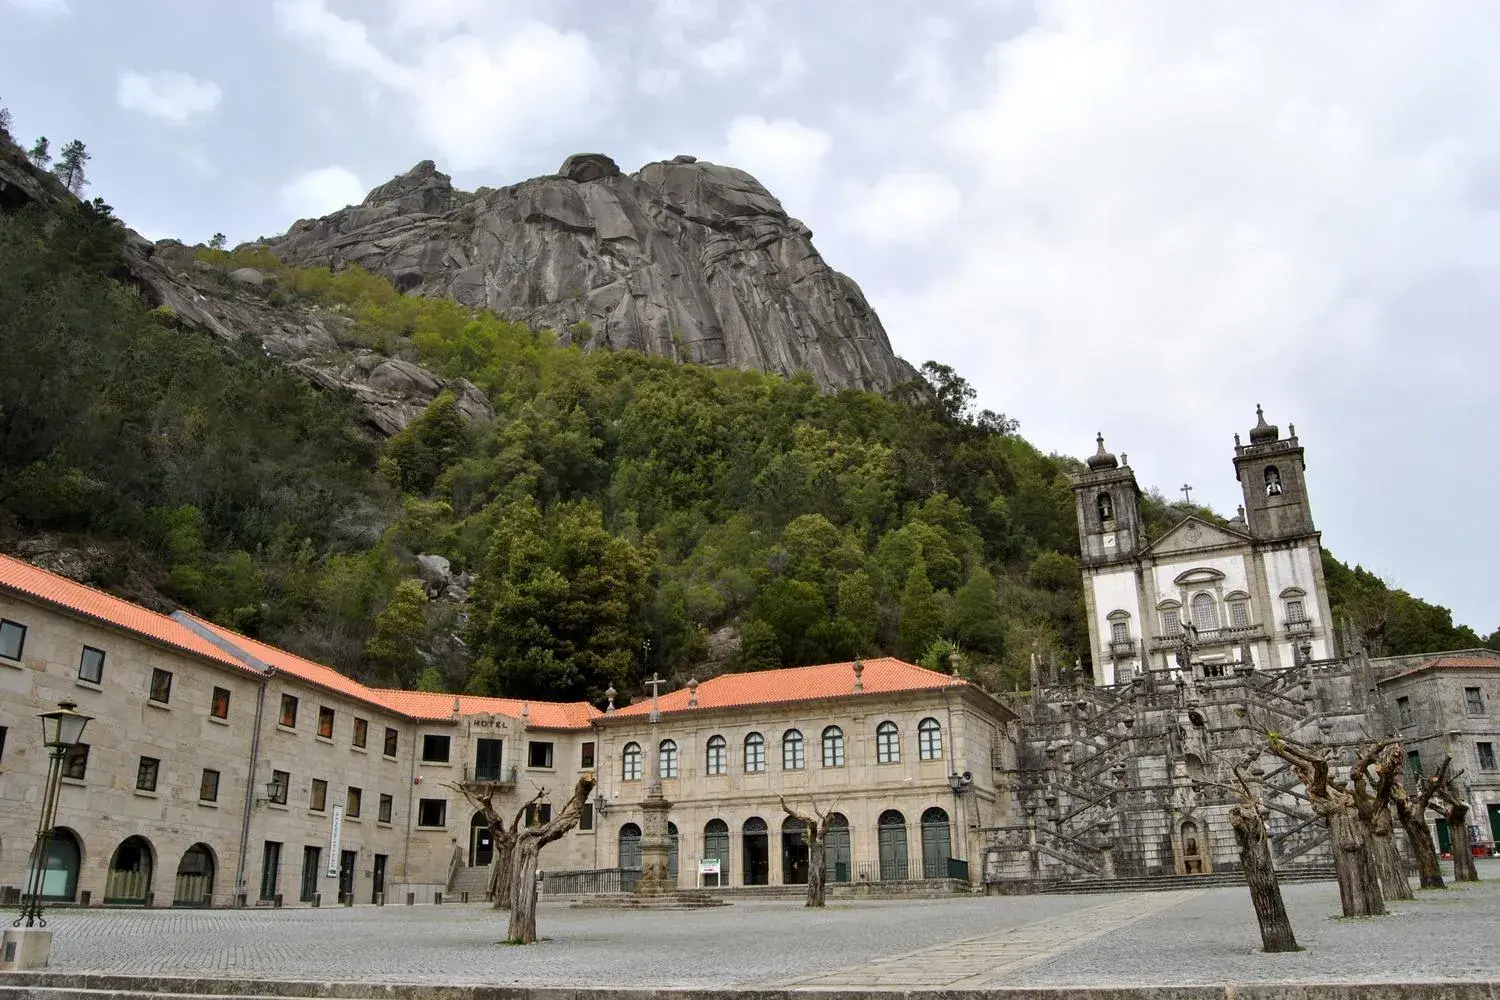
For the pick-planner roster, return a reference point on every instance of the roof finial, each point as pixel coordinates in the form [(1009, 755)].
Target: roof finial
[(692, 686), (1262, 432), (1102, 459), (455, 705), (859, 672), (610, 693)]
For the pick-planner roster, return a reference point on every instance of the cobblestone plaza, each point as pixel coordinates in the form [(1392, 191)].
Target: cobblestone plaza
[(1187, 937)]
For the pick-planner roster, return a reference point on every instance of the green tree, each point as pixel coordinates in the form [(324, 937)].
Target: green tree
[(858, 607), (792, 608), (401, 632), (5, 121), (1054, 571), (759, 648), (69, 168), (975, 618), (921, 614), (40, 153), (431, 679), (218, 241), (429, 445)]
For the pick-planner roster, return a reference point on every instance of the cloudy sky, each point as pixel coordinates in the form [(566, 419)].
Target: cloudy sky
[(1140, 218)]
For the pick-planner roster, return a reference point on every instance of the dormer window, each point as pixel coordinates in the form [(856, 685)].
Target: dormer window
[(1273, 481), (1106, 507)]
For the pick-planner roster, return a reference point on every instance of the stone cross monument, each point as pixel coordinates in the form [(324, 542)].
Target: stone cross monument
[(656, 842)]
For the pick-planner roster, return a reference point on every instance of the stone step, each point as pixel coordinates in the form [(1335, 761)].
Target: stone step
[(1163, 883)]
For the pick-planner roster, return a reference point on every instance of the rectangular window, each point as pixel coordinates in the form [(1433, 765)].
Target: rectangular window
[(1414, 764), (1474, 701), (1486, 756), (161, 685), (288, 711), (219, 707), (1239, 614), (487, 759), (586, 757), (390, 742), (356, 798), (435, 749), (1403, 710), (325, 722), (387, 804), (3, 731), (146, 773), (91, 665), (361, 731), (208, 786), (432, 812), (270, 870), (1170, 623), (538, 813), (793, 757), (586, 816), (318, 800), (1294, 612), (76, 763), (538, 754), (1119, 631), (281, 784), (717, 758), (12, 639), (755, 754)]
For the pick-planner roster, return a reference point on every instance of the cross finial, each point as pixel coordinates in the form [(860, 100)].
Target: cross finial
[(655, 684), (1187, 493)]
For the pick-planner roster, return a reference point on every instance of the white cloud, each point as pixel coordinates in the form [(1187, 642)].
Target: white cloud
[(784, 155), (176, 98), (477, 94), (46, 8), (658, 80), (316, 193), (904, 208)]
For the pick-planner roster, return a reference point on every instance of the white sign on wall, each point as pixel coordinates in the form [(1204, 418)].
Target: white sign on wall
[(334, 841)]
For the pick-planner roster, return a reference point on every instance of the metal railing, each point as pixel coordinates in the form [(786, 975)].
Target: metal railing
[(590, 881), (910, 870), (493, 775)]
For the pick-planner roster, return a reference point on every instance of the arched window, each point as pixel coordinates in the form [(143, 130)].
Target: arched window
[(1273, 481), (630, 762), (891, 835), (1205, 612), (130, 872), (716, 756), (1119, 626), (929, 740), (755, 843), (60, 870), (833, 747), (195, 877), (1171, 617), (716, 846), (887, 743), (755, 753), (666, 758), (672, 855), (1238, 603), (630, 846), (1106, 504), (936, 843), (793, 755)]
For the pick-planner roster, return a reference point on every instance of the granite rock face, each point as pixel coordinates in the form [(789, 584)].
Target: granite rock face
[(683, 259)]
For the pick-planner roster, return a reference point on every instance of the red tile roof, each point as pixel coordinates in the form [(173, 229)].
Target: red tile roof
[(543, 714), (290, 663), (69, 595), (884, 675), (1477, 660)]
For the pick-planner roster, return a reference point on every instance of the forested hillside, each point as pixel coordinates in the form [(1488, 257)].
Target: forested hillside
[(621, 514)]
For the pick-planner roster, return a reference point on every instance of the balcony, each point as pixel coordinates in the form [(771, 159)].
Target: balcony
[(503, 777), (1122, 648), (1296, 628), (1229, 635)]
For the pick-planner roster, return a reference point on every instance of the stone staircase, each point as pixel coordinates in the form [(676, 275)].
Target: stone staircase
[(473, 880)]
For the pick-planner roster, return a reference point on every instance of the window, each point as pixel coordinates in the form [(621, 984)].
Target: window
[(91, 665), (1486, 756), (716, 759), (1474, 701), (435, 749), (432, 812), (538, 753), (586, 755), (755, 753), (353, 801), (12, 639), (1294, 612), (929, 740), (630, 762), (488, 762), (3, 731), (318, 799), (1205, 613), (390, 742), (361, 732), (1170, 623), (325, 722), (833, 747), (1106, 505), (1273, 481), (281, 784), (793, 755), (1414, 764), (666, 759), (586, 816), (219, 706), (1239, 614), (288, 711), (387, 804), (76, 763), (1403, 709), (887, 743), (1119, 631), (208, 786), (538, 813), (146, 773), (161, 685)]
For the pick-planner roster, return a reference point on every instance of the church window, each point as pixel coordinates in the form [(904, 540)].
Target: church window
[(1170, 624), (1205, 613), (1119, 631), (1295, 612), (755, 753), (833, 747), (929, 739), (1239, 614), (630, 762), (717, 758), (1106, 507), (666, 758), (793, 754), (1273, 481), (887, 743)]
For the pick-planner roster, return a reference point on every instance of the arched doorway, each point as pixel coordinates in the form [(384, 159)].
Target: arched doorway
[(891, 832), (794, 852), (837, 861), (1194, 855), (130, 871), (195, 877), (60, 870), (937, 845), (716, 848), (481, 841), (757, 851), (672, 852), (630, 847)]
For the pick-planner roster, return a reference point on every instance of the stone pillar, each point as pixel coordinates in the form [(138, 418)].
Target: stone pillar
[(656, 844)]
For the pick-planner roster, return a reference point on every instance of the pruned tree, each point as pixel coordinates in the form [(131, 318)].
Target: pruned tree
[(1382, 763), (529, 843), (1247, 818), (40, 153), (1412, 812), (69, 167), (1455, 810), (481, 795), (815, 829)]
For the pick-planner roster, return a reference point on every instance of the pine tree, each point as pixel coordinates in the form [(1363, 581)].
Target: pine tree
[(40, 154), (399, 630), (921, 615), (69, 167), (975, 619), (759, 648)]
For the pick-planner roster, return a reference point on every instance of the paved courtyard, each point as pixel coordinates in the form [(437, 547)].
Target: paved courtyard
[(1186, 937)]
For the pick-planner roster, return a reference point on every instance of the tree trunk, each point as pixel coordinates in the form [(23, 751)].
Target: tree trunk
[(1260, 875), (1387, 858), (817, 853), (1429, 868), (523, 892), (1359, 887), (500, 872), (1463, 852)]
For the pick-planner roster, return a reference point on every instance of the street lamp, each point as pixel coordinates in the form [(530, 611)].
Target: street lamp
[(62, 730)]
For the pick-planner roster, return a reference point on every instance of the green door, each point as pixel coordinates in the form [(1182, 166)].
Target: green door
[(1495, 824), (1445, 837)]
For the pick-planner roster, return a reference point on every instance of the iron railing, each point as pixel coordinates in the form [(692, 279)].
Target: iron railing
[(495, 775), (910, 870), (590, 881)]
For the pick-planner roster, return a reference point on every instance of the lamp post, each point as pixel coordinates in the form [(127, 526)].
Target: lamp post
[(62, 730)]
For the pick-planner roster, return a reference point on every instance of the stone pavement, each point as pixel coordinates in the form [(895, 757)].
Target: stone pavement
[(1191, 937)]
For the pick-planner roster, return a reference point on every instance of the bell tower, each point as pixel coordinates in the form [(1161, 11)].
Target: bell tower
[(1271, 471), (1109, 510)]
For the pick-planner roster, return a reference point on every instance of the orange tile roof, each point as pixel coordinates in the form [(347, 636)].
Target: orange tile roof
[(70, 595), (290, 663), (542, 714), (883, 675), (1454, 661)]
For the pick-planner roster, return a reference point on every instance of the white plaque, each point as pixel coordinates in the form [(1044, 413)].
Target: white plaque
[(334, 841)]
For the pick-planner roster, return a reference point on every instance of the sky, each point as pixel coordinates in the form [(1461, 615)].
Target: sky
[(1136, 218)]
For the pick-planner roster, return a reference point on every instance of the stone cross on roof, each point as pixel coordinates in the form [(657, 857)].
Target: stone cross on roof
[(655, 684)]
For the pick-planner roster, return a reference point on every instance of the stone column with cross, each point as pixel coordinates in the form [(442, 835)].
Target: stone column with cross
[(656, 841)]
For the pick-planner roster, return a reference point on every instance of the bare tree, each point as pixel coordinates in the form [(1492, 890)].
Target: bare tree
[(481, 795), (1456, 811), (529, 843), (815, 829), (1248, 820), (1373, 800), (1413, 816)]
